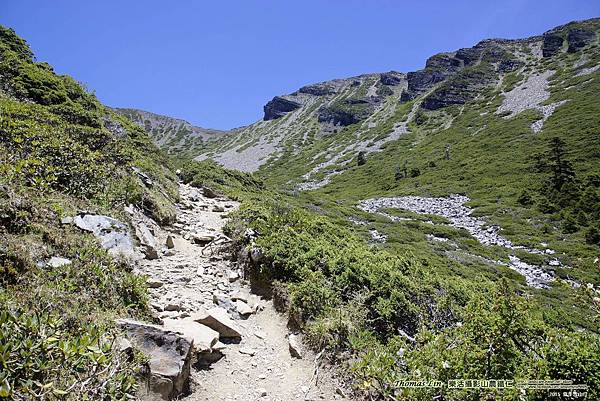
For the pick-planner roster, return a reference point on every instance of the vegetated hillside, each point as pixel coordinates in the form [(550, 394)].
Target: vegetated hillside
[(63, 154), (481, 122), (372, 252), (173, 135)]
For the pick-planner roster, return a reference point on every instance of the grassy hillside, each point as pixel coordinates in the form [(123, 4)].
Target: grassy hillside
[(61, 152)]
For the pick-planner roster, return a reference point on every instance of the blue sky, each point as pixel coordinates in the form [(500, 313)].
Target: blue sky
[(216, 63)]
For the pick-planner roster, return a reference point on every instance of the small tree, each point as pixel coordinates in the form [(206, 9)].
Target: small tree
[(561, 169), (398, 174), (361, 158)]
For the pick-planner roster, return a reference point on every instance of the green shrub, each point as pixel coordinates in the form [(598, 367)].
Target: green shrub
[(41, 358)]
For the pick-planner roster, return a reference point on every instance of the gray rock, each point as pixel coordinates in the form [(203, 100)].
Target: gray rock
[(112, 234), (154, 283), (552, 44), (202, 238), (169, 357), (240, 296), (203, 337), (171, 307), (218, 209), (579, 38), (208, 192), (256, 255), (322, 89), (278, 107), (217, 319), (243, 309), (170, 243), (391, 78), (147, 241), (125, 346), (143, 177), (233, 277)]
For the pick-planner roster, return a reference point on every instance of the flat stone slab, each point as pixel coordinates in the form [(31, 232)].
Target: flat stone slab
[(204, 338), (112, 234), (218, 319)]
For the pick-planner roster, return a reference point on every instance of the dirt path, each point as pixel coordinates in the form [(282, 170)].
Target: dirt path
[(193, 276)]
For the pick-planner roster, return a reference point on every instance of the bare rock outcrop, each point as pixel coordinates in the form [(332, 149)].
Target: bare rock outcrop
[(169, 357)]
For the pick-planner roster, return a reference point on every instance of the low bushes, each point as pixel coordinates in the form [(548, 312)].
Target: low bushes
[(397, 320)]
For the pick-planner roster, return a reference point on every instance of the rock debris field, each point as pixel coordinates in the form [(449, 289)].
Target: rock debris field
[(217, 341), (453, 209)]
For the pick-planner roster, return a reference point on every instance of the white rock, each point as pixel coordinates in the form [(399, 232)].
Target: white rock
[(233, 276), (294, 346), (243, 308), (56, 261), (241, 296)]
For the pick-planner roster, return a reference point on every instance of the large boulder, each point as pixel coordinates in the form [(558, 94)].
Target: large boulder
[(112, 234), (278, 107), (169, 356)]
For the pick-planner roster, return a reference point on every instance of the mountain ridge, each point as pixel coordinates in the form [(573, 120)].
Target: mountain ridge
[(335, 104), (171, 134)]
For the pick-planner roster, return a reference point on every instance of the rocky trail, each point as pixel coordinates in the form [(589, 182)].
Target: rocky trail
[(217, 341)]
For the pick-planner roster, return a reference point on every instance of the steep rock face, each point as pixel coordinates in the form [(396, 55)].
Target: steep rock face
[(469, 56), (278, 107), (461, 88), (347, 112), (391, 78), (552, 44), (437, 68), (578, 38)]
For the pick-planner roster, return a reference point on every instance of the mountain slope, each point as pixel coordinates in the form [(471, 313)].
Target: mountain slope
[(479, 122), (173, 135), (68, 162), (317, 130)]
